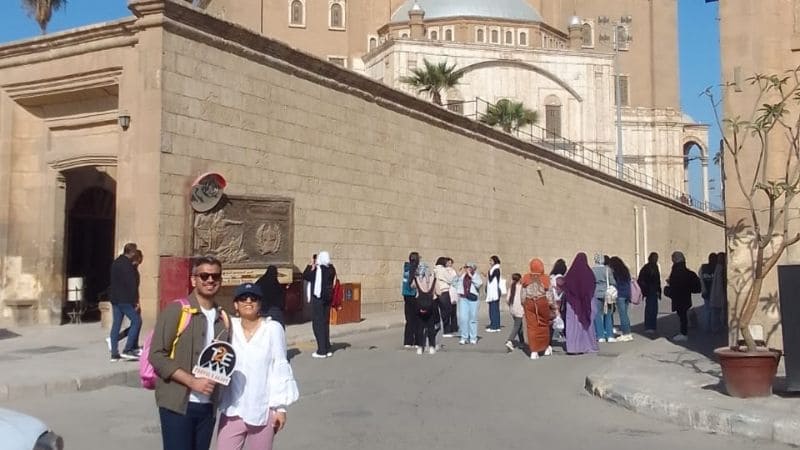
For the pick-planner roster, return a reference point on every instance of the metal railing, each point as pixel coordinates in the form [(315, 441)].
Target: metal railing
[(476, 110)]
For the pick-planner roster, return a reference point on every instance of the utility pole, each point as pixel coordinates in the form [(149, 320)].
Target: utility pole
[(620, 33)]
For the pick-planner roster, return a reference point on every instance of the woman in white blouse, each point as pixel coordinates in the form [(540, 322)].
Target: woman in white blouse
[(253, 407)]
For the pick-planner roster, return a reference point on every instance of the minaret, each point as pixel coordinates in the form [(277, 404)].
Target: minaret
[(415, 20)]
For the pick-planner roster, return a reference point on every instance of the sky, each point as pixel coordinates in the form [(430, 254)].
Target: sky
[(698, 44)]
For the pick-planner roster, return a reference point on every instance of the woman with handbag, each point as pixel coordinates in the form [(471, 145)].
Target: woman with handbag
[(539, 309), (605, 293)]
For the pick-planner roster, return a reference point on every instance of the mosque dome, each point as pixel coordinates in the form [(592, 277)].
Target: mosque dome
[(518, 10)]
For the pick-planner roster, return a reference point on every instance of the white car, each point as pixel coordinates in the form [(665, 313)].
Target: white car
[(22, 432)]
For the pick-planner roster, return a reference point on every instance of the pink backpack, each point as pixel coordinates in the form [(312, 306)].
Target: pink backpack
[(147, 373), (636, 292)]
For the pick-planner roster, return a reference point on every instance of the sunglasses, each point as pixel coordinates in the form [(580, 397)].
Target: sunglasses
[(205, 276), (247, 299)]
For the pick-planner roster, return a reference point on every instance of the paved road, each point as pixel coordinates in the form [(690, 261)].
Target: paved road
[(374, 395)]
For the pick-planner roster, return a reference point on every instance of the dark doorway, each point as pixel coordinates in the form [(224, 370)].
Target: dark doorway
[(90, 235)]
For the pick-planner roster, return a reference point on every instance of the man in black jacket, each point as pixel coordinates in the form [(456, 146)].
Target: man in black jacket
[(124, 296)]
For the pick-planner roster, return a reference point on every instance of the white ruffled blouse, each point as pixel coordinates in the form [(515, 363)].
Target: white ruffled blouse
[(263, 378)]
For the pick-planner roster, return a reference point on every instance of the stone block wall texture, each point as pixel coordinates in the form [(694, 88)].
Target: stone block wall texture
[(373, 180)]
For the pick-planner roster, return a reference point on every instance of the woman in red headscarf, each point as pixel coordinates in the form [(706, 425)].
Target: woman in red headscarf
[(539, 309)]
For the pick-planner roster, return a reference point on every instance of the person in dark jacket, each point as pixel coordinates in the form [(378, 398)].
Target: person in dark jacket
[(681, 284), (124, 296), (321, 275), (706, 274), (650, 282), (274, 299)]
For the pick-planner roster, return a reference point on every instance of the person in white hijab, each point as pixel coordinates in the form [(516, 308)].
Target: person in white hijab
[(320, 275)]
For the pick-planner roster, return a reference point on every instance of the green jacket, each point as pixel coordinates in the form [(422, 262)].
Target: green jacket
[(171, 394)]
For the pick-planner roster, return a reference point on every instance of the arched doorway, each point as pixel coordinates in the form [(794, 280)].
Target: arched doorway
[(695, 173), (90, 225)]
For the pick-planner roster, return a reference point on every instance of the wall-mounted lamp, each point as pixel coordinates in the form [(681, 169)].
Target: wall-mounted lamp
[(124, 120)]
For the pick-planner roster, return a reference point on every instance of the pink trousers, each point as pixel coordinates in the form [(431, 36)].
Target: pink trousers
[(233, 434)]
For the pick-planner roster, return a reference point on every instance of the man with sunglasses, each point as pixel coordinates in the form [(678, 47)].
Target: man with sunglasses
[(186, 404)]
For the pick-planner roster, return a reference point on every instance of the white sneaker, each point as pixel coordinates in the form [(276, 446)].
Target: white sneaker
[(432, 350), (407, 346), (534, 355), (108, 342), (625, 338), (419, 350), (549, 351), (615, 330), (317, 355), (473, 342), (329, 354), (447, 335), (510, 346), (611, 340), (462, 342), (601, 340), (680, 338)]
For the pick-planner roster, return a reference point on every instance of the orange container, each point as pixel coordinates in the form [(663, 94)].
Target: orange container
[(351, 305)]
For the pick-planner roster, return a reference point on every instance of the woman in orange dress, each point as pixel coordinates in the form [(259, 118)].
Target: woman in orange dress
[(538, 309)]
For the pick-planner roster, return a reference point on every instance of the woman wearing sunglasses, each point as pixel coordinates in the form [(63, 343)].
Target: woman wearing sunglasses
[(262, 385)]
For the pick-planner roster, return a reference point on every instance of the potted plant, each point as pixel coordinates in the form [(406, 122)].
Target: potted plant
[(763, 154)]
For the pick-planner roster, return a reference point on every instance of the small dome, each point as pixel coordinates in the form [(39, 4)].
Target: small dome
[(492, 9)]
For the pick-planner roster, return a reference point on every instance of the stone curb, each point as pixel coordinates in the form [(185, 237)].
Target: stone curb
[(130, 376), (752, 424)]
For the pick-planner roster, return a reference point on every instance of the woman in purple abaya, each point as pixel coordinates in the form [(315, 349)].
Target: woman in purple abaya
[(579, 292)]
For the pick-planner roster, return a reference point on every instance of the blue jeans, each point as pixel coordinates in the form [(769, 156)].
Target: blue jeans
[(129, 311), (190, 431), (494, 315), (468, 319), (603, 323), (624, 319), (651, 312)]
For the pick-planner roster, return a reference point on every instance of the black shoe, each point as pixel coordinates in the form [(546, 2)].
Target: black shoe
[(130, 356), (114, 358)]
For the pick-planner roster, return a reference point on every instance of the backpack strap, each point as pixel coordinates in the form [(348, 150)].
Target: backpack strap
[(226, 321), (183, 322)]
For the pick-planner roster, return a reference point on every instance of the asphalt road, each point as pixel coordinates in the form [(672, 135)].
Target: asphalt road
[(375, 395)]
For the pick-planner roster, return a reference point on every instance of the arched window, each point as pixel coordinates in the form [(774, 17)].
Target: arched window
[(495, 37), (523, 39), (404, 35), (297, 13), (373, 43), (434, 36), (448, 35), (586, 35), (622, 38), (479, 35), (337, 16), (552, 116), (509, 37)]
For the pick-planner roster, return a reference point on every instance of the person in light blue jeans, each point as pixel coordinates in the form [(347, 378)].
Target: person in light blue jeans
[(604, 318), (469, 282), (622, 278)]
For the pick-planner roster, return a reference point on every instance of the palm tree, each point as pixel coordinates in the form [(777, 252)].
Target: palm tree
[(42, 10), (434, 79), (509, 115)]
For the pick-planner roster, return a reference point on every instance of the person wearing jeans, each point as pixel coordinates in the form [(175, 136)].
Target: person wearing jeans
[(604, 318), (469, 283), (622, 280), (123, 294)]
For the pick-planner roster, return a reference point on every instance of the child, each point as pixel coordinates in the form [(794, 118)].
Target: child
[(517, 313)]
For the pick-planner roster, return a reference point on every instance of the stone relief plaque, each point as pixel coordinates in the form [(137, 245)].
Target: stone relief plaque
[(246, 232)]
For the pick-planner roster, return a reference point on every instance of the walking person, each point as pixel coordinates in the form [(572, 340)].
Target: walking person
[(273, 301), (581, 307), (539, 310), (650, 281), (719, 295), (493, 294), (706, 273), (622, 280), (517, 313), (253, 405), (454, 331), (424, 283), (469, 284), (604, 317), (185, 402), (409, 300), (445, 276), (557, 285), (681, 284), (321, 274), (124, 297)]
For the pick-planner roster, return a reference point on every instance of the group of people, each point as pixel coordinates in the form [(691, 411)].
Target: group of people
[(578, 302)]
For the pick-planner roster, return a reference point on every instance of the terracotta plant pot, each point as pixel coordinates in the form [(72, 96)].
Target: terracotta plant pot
[(748, 374)]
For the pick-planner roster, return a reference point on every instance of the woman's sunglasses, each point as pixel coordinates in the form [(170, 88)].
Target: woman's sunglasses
[(247, 299), (205, 276)]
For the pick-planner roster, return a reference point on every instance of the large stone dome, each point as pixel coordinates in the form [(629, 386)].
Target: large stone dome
[(493, 9)]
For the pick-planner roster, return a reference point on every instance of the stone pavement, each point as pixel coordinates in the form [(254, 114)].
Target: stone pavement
[(683, 385), (46, 360)]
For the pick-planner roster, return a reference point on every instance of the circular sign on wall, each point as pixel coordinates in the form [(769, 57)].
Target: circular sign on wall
[(207, 191), (216, 363)]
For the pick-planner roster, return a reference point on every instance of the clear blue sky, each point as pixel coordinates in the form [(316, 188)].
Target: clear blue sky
[(699, 53)]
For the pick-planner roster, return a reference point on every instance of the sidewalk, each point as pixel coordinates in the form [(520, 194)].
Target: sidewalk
[(683, 385), (47, 360)]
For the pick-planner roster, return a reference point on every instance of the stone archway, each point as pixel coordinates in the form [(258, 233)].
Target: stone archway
[(525, 66), (690, 155)]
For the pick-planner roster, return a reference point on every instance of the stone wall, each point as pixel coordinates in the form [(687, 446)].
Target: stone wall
[(375, 173)]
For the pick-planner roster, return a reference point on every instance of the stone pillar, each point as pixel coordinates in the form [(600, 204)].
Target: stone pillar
[(416, 16), (575, 36), (705, 183)]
